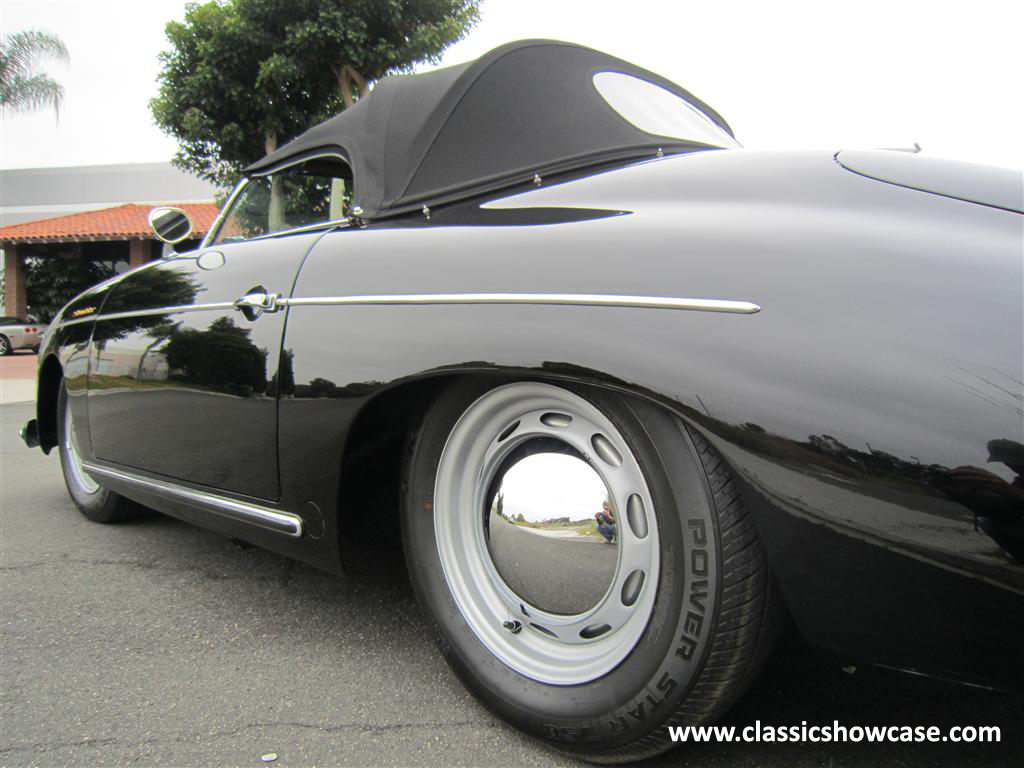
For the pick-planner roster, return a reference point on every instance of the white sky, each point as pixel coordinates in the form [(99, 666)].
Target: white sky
[(547, 486), (784, 74)]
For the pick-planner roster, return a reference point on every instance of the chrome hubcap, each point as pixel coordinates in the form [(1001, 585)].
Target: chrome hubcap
[(541, 507), (554, 592), (78, 473)]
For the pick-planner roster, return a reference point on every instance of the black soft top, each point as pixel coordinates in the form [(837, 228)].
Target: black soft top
[(528, 107)]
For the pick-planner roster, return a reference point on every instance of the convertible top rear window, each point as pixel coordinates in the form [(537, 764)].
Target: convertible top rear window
[(656, 110)]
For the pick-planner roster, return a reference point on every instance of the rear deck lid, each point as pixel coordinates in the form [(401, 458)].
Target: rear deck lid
[(982, 184)]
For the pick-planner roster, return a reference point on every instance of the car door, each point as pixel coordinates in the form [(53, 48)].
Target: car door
[(181, 382), (186, 352)]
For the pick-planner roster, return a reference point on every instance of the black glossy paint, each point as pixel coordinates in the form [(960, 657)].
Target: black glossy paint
[(192, 395), (872, 409)]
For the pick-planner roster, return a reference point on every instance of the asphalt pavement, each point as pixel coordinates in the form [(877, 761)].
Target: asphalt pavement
[(153, 643), (563, 575)]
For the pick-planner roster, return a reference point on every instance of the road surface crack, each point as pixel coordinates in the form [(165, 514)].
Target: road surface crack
[(43, 746)]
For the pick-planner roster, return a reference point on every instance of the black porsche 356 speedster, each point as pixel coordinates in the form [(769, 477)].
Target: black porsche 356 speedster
[(627, 393)]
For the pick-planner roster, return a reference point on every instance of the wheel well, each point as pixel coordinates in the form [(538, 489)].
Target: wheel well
[(50, 377), (373, 462), (371, 470)]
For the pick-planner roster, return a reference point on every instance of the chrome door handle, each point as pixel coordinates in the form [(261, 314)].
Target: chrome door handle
[(254, 304)]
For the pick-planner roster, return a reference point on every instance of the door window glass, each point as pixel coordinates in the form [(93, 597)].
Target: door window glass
[(306, 195)]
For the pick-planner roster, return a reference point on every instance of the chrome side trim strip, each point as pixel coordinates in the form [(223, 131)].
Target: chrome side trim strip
[(571, 299), (329, 224), (556, 299), (146, 312), (279, 522), (214, 229)]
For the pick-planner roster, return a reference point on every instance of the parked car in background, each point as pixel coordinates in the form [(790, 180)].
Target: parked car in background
[(631, 394), (20, 333)]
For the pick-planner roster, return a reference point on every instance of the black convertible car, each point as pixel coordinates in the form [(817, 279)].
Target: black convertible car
[(627, 393)]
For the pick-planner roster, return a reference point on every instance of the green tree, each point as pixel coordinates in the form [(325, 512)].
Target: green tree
[(222, 357), (320, 387), (22, 87), (146, 289), (244, 76), (52, 280), (362, 40)]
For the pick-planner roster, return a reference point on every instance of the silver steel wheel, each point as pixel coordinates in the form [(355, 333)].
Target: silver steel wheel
[(537, 619), (5, 346), (74, 464)]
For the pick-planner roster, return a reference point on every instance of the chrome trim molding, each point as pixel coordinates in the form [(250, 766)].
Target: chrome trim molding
[(272, 520), (145, 312), (550, 299), (570, 299), (330, 224), (207, 240)]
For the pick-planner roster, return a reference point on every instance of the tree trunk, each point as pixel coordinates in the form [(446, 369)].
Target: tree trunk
[(359, 80), (344, 85), (337, 203), (275, 214), (348, 77)]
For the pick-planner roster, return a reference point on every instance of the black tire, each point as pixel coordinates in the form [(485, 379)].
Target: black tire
[(35, 349), (706, 638), (96, 503), (5, 346)]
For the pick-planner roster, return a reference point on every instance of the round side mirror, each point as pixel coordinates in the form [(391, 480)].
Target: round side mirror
[(172, 225)]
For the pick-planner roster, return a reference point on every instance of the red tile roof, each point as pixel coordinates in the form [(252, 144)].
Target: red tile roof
[(122, 222)]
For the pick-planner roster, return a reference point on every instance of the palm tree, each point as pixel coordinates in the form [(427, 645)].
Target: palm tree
[(22, 87)]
